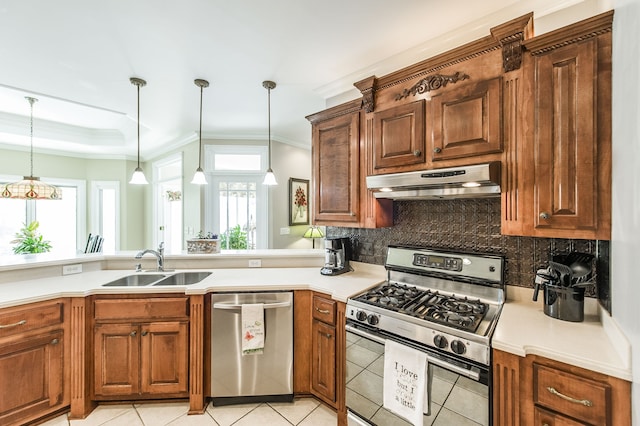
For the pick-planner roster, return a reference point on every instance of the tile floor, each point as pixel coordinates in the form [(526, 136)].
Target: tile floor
[(303, 412)]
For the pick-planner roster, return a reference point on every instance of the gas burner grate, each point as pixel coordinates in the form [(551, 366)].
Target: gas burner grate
[(456, 311), (391, 296)]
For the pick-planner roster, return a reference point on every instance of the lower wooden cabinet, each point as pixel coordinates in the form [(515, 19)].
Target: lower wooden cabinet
[(141, 359), (539, 391), (33, 364), (323, 364)]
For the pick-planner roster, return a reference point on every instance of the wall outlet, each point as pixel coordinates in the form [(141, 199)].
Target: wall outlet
[(285, 231), (255, 263), (72, 269)]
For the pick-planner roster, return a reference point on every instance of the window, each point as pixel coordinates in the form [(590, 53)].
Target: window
[(236, 202), (167, 197), (62, 222), (105, 210)]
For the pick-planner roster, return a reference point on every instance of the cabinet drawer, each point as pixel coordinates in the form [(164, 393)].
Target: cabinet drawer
[(579, 397), (30, 317), (148, 308), (324, 310)]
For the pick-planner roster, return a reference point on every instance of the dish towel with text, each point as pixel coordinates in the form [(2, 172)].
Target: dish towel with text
[(252, 329), (405, 381)]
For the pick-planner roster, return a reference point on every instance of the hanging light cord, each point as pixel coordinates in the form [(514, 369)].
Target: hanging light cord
[(200, 131), (31, 102), (269, 117), (138, 86)]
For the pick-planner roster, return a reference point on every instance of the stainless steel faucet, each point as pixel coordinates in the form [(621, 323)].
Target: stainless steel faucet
[(159, 254)]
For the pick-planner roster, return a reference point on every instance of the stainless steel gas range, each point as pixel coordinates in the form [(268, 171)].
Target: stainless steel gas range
[(444, 304)]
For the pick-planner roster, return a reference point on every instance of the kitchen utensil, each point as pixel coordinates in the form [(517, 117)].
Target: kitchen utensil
[(580, 264), (543, 277), (565, 272), (564, 303)]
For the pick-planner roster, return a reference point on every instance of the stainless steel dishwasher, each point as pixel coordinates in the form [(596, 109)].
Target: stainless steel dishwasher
[(265, 377)]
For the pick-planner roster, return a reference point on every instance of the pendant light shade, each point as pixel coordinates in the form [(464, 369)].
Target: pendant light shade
[(199, 178), (30, 188), (138, 177), (269, 177)]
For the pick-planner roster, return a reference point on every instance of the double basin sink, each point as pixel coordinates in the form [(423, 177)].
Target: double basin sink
[(140, 280)]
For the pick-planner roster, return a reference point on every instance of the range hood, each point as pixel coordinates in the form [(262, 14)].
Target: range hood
[(475, 181)]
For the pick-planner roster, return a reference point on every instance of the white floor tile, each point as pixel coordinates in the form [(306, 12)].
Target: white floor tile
[(226, 415), (263, 415), (194, 420), (104, 413), (297, 410), (61, 420), (160, 414), (321, 416)]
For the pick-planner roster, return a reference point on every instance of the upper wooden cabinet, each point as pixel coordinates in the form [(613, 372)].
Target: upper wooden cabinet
[(340, 197), (467, 121), (565, 189), (399, 137)]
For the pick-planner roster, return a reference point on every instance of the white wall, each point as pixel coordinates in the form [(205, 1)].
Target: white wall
[(625, 244)]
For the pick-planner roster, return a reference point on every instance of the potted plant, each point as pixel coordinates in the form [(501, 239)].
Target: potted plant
[(204, 243), (29, 241)]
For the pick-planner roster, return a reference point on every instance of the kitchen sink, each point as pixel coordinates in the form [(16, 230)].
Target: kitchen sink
[(136, 280), (183, 278)]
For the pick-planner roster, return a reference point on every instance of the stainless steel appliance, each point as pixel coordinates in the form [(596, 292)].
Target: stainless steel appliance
[(474, 181), (445, 304), (265, 377), (336, 257)]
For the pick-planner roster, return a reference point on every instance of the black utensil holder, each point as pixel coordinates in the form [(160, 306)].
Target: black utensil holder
[(564, 303)]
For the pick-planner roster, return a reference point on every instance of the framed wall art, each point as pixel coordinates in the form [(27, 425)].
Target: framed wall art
[(298, 201)]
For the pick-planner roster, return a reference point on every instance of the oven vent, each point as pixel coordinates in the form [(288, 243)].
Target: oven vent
[(475, 181)]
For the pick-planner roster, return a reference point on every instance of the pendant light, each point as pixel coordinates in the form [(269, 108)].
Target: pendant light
[(30, 188), (269, 178), (199, 178), (138, 175)]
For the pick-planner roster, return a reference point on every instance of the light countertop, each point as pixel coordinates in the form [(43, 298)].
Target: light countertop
[(594, 344)]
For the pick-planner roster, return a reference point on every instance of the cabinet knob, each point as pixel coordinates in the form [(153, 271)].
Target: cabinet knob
[(133, 333), (545, 215), (437, 150), (352, 214), (417, 153), (328, 335), (144, 333), (55, 341)]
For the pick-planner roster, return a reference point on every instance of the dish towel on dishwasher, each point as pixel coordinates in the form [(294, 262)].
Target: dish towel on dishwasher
[(252, 329), (405, 381)]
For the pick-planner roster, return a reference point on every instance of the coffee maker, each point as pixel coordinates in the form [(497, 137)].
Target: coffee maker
[(336, 256)]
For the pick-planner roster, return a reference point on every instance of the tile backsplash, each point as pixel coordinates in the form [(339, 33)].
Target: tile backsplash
[(471, 225)]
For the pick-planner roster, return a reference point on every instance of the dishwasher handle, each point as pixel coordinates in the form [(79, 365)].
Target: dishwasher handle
[(235, 306)]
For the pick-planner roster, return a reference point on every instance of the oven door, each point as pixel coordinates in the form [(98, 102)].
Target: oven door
[(459, 391)]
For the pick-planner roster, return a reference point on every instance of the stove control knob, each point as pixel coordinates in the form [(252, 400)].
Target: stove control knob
[(440, 341), (361, 315), (373, 319), (458, 347)]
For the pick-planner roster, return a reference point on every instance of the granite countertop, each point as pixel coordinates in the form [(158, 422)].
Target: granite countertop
[(595, 344)]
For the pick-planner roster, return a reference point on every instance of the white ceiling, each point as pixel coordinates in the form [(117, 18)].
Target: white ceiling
[(76, 57)]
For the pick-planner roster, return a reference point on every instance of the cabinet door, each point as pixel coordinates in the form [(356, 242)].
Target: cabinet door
[(548, 418), (336, 170), (116, 364), (398, 137), (566, 149), (164, 349), (323, 363), (31, 377), (467, 121)]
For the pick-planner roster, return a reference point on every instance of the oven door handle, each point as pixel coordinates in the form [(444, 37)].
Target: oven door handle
[(472, 374)]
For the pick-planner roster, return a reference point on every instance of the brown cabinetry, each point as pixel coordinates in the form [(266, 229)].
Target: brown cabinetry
[(323, 350), (141, 347), (467, 121), (537, 391), (339, 191), (34, 364), (565, 191), (399, 137)]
